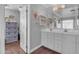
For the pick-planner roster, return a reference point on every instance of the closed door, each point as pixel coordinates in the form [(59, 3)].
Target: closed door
[(23, 28)]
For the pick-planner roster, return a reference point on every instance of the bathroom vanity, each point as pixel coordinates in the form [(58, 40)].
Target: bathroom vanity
[(60, 41)]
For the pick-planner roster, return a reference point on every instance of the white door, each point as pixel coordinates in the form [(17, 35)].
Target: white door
[(23, 28), (2, 30)]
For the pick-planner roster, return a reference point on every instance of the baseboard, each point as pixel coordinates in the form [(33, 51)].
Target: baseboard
[(35, 48)]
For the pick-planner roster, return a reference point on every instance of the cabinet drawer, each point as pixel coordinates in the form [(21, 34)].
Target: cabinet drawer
[(58, 36)]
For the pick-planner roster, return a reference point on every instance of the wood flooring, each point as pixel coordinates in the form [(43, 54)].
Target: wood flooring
[(44, 50), (13, 48)]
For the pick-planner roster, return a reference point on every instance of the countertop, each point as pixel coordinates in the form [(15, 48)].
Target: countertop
[(73, 32)]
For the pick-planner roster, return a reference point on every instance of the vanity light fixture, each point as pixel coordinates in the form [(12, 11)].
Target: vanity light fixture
[(35, 15), (58, 7)]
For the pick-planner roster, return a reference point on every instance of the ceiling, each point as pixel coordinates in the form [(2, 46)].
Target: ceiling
[(66, 11), (66, 5), (15, 6)]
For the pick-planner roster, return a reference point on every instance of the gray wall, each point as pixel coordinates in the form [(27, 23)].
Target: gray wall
[(35, 34), (2, 30), (15, 13), (35, 29)]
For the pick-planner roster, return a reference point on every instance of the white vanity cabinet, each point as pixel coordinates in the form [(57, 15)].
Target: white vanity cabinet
[(68, 44), (47, 39), (52, 41)]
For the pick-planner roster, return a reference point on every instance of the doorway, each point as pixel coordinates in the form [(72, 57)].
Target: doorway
[(13, 35)]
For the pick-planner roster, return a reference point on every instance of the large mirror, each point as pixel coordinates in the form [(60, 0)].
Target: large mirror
[(65, 24)]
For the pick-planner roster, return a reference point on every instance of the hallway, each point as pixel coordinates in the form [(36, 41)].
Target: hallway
[(13, 48)]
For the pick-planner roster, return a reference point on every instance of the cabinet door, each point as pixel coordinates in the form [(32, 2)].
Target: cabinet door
[(68, 44), (58, 46), (50, 37), (58, 43), (77, 44), (44, 38)]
